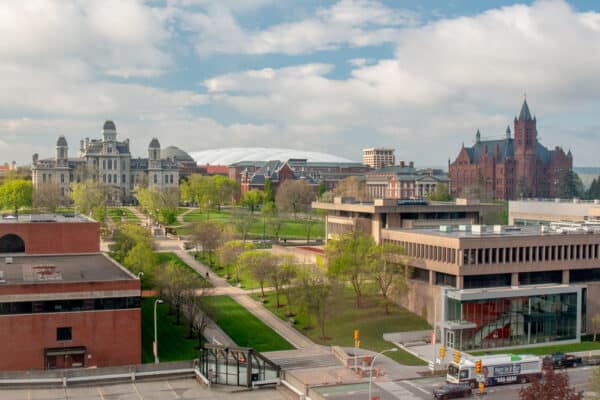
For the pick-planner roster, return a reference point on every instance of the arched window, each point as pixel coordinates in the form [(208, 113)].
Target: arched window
[(11, 244)]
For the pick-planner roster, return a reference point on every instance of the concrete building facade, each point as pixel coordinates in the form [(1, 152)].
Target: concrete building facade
[(63, 304), (378, 158), (544, 212), (404, 181)]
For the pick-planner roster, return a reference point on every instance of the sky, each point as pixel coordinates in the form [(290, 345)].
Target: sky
[(327, 76)]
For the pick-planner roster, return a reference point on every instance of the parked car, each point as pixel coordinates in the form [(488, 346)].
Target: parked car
[(562, 360), (452, 391)]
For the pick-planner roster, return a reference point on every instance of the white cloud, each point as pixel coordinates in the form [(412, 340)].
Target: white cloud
[(355, 23)]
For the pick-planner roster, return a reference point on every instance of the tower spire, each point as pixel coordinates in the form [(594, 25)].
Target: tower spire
[(525, 115)]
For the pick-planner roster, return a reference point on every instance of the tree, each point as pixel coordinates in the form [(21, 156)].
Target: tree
[(178, 286), (594, 190), (294, 196), (350, 259), (206, 234), (596, 325), (321, 189), (47, 197), (388, 271), (141, 258), (252, 199), (88, 197), (554, 386), (280, 275), (442, 193), (16, 194), (228, 254), (308, 222), (288, 273), (242, 222), (318, 295), (160, 204), (225, 190), (352, 187), (260, 264), (269, 197), (570, 185), (198, 321)]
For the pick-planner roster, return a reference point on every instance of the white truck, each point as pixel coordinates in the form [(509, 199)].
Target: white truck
[(496, 369)]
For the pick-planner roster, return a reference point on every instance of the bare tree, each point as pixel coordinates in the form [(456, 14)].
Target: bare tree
[(260, 264), (207, 235), (294, 196), (352, 187), (228, 253), (47, 196), (242, 222), (554, 386), (388, 269)]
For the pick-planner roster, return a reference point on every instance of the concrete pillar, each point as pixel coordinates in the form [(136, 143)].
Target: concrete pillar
[(460, 282), (565, 277), (431, 278), (514, 279)]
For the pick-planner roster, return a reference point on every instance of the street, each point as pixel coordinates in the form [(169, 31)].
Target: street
[(423, 388)]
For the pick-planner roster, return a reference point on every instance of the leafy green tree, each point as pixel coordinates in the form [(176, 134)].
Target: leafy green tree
[(322, 188), (269, 197), (16, 194), (126, 237), (225, 190), (252, 199), (570, 185), (228, 253), (350, 260), (89, 197), (441, 193), (294, 196), (260, 264), (594, 190), (178, 286), (141, 258), (160, 204), (388, 269)]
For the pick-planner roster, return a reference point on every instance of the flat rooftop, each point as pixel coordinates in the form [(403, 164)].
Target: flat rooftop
[(60, 269), (495, 231), (21, 218)]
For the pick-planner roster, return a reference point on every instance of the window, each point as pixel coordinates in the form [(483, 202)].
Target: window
[(62, 178), (63, 334), (155, 179), (103, 164), (109, 164)]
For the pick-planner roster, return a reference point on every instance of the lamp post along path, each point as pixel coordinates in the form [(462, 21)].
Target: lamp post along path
[(155, 344), (373, 363)]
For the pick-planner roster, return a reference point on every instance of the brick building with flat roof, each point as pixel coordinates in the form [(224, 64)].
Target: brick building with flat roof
[(63, 304)]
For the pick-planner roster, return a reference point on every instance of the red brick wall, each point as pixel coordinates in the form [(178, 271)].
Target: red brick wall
[(111, 337), (56, 237), (65, 287)]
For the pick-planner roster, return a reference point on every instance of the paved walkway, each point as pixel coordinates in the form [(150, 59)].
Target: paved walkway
[(143, 218), (286, 331), (180, 216)]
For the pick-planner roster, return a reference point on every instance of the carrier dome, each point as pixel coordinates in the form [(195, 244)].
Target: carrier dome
[(231, 155)]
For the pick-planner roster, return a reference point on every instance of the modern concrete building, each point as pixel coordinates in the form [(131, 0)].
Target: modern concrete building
[(544, 212), (378, 158), (375, 217), (404, 181), (109, 162), (503, 286), (63, 304)]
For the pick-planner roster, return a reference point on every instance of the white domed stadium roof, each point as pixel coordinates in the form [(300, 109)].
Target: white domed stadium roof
[(231, 155)]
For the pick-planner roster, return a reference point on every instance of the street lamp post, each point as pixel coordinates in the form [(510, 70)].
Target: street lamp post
[(373, 363), (155, 349)]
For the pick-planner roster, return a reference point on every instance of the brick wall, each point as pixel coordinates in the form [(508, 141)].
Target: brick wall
[(56, 237)]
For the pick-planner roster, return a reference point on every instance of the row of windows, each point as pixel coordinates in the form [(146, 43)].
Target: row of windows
[(428, 252), (54, 306), (531, 254), (113, 164), (166, 179)]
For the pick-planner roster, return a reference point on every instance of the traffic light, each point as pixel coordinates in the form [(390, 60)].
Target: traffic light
[(442, 352), (481, 388), (356, 334), (478, 366), (457, 357), (358, 343)]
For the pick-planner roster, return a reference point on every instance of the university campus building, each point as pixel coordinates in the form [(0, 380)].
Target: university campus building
[(544, 212), (490, 287), (109, 162), (509, 168), (404, 181), (64, 304), (377, 158)]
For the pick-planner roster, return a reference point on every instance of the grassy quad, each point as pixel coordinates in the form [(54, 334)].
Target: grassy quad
[(246, 280), (117, 214), (241, 326), (167, 257), (173, 343), (370, 320)]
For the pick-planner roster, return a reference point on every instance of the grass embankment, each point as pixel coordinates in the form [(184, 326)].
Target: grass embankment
[(246, 280), (168, 257), (118, 214), (291, 228), (241, 326), (370, 320), (173, 343), (545, 350)]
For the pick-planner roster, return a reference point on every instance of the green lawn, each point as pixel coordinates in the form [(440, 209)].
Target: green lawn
[(370, 320), (117, 213), (291, 228), (241, 326), (544, 350), (246, 279), (173, 344), (165, 258)]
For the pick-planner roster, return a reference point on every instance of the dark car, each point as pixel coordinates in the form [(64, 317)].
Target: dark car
[(452, 391), (562, 360)]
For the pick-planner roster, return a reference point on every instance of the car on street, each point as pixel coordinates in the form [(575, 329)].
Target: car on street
[(452, 391), (562, 360)]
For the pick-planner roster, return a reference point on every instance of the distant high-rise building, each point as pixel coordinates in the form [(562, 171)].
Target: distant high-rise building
[(378, 158), (509, 168)]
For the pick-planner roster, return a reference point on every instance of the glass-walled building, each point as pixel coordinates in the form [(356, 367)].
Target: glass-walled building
[(526, 316)]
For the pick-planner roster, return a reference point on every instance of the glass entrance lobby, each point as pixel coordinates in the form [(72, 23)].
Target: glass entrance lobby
[(525, 316)]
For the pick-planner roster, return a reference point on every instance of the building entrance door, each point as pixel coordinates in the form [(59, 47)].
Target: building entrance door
[(71, 357), (450, 338)]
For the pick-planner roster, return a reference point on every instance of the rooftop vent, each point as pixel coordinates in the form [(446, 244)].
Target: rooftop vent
[(478, 229), (445, 228), (8, 260), (2, 280)]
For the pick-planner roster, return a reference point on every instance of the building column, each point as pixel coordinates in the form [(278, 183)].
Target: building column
[(514, 279), (565, 277), (460, 282), (431, 277)]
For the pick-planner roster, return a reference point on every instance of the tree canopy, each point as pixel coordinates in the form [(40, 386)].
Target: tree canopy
[(16, 194), (294, 196)]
